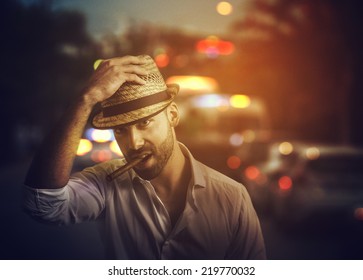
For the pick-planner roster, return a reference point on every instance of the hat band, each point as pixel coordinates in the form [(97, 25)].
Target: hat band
[(135, 104)]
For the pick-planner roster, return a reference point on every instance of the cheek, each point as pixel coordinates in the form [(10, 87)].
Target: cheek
[(158, 135), (121, 142)]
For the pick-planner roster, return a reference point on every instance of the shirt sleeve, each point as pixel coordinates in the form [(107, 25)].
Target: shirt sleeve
[(248, 242), (82, 199)]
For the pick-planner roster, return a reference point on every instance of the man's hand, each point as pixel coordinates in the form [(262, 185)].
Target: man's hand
[(53, 164), (111, 74)]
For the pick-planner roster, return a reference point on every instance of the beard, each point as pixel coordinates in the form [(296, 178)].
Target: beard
[(161, 155)]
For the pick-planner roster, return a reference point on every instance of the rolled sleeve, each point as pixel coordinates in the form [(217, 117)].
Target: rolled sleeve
[(82, 199), (47, 205)]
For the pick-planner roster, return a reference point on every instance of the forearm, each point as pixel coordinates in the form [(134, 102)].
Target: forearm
[(52, 165)]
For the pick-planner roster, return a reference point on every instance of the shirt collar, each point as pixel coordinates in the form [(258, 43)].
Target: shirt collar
[(198, 179)]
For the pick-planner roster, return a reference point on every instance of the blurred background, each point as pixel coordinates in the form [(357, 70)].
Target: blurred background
[(271, 96)]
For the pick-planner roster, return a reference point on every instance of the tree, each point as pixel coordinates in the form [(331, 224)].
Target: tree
[(295, 55)]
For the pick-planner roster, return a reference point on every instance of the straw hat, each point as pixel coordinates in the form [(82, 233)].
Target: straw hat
[(133, 102)]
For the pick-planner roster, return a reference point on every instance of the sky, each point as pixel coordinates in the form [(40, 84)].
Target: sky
[(197, 16)]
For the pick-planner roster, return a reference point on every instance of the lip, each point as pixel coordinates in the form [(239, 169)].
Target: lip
[(145, 162), (140, 155)]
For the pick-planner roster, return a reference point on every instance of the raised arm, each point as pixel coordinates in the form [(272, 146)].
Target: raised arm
[(52, 165)]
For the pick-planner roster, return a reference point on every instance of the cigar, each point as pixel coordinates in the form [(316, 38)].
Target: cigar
[(110, 177)]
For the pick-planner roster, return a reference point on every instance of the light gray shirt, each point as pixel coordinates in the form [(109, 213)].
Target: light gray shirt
[(218, 222)]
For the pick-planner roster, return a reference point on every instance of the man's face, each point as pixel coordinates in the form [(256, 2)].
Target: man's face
[(153, 135)]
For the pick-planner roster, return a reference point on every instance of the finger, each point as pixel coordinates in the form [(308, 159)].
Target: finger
[(134, 69), (118, 71), (133, 78), (125, 60), (137, 60), (107, 65)]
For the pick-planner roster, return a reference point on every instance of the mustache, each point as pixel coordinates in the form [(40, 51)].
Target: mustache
[(138, 153)]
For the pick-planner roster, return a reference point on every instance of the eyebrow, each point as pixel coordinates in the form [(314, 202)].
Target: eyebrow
[(138, 121), (132, 123)]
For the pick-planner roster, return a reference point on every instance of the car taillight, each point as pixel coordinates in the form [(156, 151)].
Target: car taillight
[(285, 183)]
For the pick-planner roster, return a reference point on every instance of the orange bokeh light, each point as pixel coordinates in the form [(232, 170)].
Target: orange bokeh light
[(252, 172), (213, 44), (162, 60), (233, 162)]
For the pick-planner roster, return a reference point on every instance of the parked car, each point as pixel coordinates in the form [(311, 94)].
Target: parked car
[(314, 183)]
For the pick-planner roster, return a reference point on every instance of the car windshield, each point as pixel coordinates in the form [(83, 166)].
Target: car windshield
[(338, 171)]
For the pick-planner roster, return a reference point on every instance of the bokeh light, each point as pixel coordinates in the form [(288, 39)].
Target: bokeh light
[(101, 136), (249, 136), (252, 172), (162, 60), (84, 147), (285, 183), (236, 139), (233, 162), (286, 148), (114, 147), (240, 101), (212, 46), (358, 213), (101, 155), (199, 83), (312, 153), (224, 8), (208, 101), (97, 63)]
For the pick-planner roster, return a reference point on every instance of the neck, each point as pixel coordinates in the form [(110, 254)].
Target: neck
[(175, 175)]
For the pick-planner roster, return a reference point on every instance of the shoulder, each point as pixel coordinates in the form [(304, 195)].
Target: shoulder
[(215, 176), (221, 195), (220, 184)]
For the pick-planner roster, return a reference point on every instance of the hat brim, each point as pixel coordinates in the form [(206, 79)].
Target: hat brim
[(99, 121)]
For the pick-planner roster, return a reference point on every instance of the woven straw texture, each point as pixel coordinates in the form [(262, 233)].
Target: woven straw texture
[(130, 91)]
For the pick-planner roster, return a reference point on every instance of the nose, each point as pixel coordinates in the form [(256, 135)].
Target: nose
[(136, 140)]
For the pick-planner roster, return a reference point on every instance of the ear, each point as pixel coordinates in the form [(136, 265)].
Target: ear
[(173, 114)]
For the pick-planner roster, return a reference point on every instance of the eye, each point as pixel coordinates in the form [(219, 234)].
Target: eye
[(120, 130), (144, 123)]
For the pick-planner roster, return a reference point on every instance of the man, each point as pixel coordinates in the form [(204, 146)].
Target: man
[(169, 206)]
